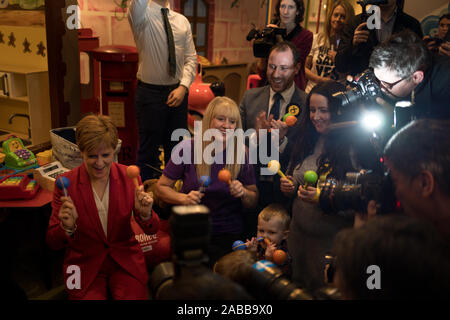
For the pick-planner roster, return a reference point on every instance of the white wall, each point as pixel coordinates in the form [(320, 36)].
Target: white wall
[(420, 9)]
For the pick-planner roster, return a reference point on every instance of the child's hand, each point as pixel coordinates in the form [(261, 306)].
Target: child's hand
[(252, 244), (270, 249)]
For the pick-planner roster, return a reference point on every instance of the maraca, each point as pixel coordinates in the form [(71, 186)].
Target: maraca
[(133, 172), (289, 119), (239, 245), (279, 257), (224, 176), (204, 182), (310, 178), (63, 183), (274, 167)]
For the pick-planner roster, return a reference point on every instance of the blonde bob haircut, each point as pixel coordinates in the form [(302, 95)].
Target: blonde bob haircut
[(220, 106), (94, 130)]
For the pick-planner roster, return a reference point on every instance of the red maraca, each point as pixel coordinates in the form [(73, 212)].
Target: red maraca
[(133, 172), (279, 257), (224, 176)]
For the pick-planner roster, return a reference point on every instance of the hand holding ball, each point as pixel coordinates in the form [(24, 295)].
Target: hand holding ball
[(310, 178)]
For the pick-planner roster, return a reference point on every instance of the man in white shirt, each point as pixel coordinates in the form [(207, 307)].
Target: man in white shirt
[(164, 76)]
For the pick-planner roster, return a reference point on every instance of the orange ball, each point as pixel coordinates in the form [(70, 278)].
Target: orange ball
[(224, 176), (291, 121), (133, 171), (279, 257)]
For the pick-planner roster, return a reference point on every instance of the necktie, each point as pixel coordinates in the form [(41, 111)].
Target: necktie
[(171, 43), (275, 110)]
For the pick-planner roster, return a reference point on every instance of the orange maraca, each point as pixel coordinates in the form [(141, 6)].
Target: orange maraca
[(279, 257), (224, 176), (133, 172)]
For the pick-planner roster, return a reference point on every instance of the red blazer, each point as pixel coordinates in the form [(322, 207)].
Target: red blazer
[(88, 247)]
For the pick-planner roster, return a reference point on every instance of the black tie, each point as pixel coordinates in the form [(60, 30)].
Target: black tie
[(169, 33), (275, 110)]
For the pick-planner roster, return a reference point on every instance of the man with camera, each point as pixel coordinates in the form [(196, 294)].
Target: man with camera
[(358, 42), (406, 70), (441, 43), (418, 157)]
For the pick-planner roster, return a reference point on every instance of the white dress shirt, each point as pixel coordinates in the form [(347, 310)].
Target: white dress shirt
[(147, 24)]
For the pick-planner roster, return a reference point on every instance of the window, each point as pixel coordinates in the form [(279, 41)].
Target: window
[(197, 12)]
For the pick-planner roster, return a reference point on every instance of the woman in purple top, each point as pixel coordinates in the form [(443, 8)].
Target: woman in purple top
[(225, 201)]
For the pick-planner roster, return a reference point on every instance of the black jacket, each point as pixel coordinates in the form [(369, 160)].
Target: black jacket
[(432, 95), (354, 60)]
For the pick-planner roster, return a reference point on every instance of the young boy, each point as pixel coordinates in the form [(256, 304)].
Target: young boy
[(273, 230)]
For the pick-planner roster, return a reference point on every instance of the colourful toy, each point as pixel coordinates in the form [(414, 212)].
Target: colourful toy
[(204, 183), (18, 186), (133, 172), (224, 176), (290, 119), (310, 178), (279, 257), (239, 245), (63, 183), (274, 167), (17, 156)]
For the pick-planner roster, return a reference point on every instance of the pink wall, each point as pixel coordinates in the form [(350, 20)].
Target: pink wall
[(230, 27)]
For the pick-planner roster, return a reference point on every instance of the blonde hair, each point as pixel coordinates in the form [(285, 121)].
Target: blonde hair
[(222, 106), (349, 14), (94, 130), (276, 210)]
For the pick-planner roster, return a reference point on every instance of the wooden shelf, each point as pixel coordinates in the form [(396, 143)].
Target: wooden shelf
[(23, 99)]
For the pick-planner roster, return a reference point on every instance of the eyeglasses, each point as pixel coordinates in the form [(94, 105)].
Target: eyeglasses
[(389, 86)]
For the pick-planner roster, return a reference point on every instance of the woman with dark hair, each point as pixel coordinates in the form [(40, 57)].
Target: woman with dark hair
[(289, 14), (331, 149)]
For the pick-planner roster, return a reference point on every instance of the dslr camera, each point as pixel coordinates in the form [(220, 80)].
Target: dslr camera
[(264, 40), (365, 88), (355, 192)]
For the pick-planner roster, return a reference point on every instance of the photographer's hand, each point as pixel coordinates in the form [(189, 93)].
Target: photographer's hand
[(361, 34), (444, 49)]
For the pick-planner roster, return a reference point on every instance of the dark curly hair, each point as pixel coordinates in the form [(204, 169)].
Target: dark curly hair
[(300, 7)]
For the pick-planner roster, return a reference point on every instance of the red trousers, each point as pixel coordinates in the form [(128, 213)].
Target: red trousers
[(121, 285)]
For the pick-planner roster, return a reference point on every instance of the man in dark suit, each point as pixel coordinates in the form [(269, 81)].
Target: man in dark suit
[(360, 37), (265, 107)]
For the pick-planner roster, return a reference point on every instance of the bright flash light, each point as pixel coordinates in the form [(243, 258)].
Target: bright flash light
[(372, 120)]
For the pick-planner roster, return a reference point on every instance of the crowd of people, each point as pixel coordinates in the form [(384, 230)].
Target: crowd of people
[(282, 218)]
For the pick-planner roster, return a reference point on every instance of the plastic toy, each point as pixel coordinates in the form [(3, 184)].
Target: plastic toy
[(239, 245), (279, 257), (133, 172), (204, 183), (63, 183), (310, 178), (18, 186), (17, 156), (274, 167), (224, 176)]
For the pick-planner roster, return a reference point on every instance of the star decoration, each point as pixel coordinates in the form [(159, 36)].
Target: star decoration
[(1, 37), (12, 40), (41, 48), (26, 46)]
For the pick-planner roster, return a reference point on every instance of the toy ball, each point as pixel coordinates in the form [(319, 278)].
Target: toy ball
[(260, 239), (273, 166), (286, 116), (62, 183), (205, 181), (291, 121), (310, 177), (224, 176), (279, 257), (133, 171), (239, 245)]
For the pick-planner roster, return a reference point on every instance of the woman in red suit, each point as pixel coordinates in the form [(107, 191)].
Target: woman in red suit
[(93, 221)]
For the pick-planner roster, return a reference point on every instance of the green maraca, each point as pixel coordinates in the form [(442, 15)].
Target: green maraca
[(310, 178)]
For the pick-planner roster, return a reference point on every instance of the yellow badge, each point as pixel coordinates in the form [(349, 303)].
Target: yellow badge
[(294, 110)]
